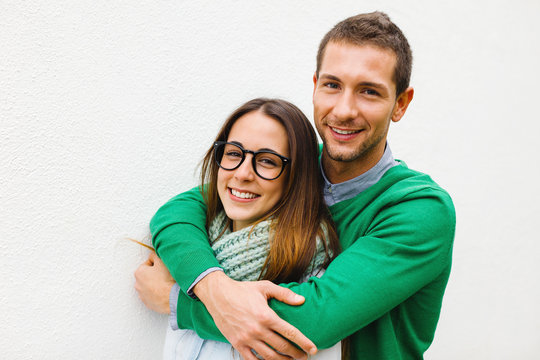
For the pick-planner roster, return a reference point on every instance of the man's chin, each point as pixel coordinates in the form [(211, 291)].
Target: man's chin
[(342, 156)]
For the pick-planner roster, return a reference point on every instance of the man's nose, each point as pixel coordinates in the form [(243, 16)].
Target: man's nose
[(346, 106)]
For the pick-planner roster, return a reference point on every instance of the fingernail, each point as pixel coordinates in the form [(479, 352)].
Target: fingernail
[(298, 298)]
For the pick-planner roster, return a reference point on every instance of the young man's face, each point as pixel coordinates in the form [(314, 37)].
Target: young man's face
[(354, 100)]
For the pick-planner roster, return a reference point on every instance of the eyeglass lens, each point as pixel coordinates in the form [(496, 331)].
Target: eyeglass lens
[(267, 165)]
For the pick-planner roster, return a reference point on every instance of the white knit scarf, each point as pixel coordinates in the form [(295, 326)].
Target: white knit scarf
[(242, 253)]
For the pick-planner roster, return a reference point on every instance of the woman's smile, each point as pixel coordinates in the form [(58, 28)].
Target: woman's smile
[(242, 194)]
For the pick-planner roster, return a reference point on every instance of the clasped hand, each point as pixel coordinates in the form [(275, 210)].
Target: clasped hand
[(239, 309), (241, 312)]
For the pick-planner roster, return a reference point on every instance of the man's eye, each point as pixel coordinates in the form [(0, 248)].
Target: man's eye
[(331, 85), (370, 92)]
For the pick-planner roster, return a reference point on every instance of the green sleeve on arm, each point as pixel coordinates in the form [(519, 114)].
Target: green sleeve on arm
[(192, 314), (403, 254), (180, 238), (403, 249)]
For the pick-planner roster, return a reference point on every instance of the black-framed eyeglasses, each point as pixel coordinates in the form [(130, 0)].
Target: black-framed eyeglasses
[(267, 164)]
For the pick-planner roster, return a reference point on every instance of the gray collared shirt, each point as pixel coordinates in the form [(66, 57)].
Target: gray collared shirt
[(334, 193)]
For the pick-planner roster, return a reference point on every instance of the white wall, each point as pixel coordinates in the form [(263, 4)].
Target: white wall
[(106, 108)]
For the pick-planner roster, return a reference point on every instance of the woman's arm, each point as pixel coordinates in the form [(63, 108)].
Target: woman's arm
[(180, 238)]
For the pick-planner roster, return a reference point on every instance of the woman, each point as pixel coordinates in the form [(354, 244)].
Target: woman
[(266, 216)]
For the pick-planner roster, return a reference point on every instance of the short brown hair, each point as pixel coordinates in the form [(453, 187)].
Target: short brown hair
[(301, 215), (376, 29)]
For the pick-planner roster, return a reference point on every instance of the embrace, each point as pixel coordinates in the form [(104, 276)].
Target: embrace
[(288, 249)]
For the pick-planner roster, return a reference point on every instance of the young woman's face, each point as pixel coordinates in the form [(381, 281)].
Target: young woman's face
[(246, 197)]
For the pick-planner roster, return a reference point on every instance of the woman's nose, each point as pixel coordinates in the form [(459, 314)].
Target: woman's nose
[(245, 171)]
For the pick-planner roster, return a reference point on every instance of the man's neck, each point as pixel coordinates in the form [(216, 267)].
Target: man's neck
[(340, 171)]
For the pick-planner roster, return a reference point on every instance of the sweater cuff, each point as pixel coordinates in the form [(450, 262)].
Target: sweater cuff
[(173, 305), (196, 281)]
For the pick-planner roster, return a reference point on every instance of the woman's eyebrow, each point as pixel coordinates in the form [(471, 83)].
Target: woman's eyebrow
[(261, 149), (236, 143), (267, 149)]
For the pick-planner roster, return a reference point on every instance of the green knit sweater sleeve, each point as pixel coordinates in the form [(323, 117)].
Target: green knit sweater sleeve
[(407, 250), (397, 239), (180, 238)]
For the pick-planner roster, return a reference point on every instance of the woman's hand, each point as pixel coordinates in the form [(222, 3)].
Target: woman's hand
[(153, 282), (241, 312)]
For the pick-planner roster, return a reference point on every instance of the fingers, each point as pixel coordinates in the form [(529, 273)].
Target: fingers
[(267, 344), (153, 288), (247, 354), (159, 264), (139, 271), (263, 351), (277, 326), (267, 353), (150, 261), (280, 293), (282, 327), (153, 257), (241, 312), (276, 347), (294, 335)]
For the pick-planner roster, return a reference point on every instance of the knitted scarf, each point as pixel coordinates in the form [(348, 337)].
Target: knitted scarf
[(242, 253)]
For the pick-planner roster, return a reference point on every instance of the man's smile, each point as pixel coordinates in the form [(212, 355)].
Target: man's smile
[(344, 132)]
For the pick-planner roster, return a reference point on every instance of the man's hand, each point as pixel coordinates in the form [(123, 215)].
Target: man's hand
[(241, 312), (153, 282)]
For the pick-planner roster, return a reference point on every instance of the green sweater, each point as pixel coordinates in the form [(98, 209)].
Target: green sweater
[(385, 289)]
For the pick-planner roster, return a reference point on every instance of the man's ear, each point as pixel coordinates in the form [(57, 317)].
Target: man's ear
[(314, 83), (402, 102)]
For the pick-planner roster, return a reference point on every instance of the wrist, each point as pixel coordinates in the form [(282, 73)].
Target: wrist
[(204, 287)]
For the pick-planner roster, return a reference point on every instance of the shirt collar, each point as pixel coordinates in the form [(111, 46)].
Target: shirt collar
[(334, 193)]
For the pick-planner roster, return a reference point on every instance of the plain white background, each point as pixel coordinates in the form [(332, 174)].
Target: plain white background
[(107, 107)]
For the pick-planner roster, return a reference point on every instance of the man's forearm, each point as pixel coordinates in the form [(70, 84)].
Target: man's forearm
[(192, 314), (175, 291), (233, 306)]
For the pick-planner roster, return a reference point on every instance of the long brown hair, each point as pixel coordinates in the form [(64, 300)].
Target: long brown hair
[(301, 215)]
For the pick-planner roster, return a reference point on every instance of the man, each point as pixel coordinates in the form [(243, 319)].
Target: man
[(396, 226)]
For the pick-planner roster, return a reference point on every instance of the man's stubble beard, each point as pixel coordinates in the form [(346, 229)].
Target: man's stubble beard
[(361, 152)]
